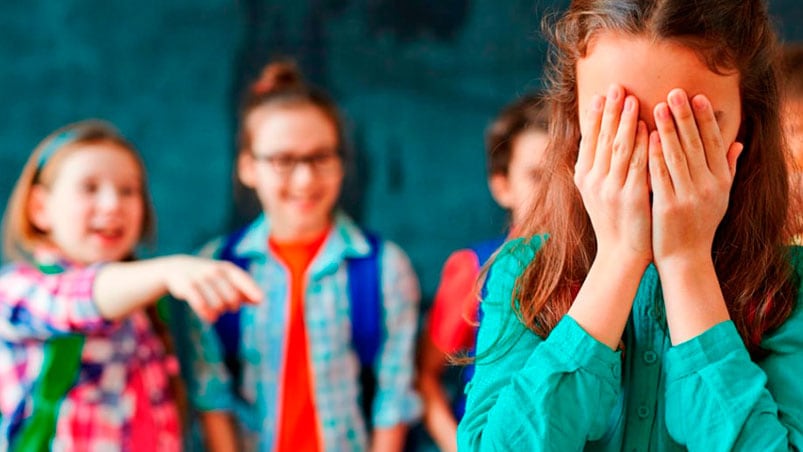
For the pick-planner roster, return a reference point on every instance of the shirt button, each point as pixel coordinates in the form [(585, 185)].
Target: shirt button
[(650, 357), (643, 411)]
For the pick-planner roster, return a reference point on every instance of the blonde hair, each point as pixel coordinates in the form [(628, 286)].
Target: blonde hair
[(20, 235)]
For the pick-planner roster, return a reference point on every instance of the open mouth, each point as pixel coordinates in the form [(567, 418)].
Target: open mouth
[(108, 233)]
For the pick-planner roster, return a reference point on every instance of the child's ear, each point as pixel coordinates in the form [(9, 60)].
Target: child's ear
[(500, 190), (246, 169), (37, 208)]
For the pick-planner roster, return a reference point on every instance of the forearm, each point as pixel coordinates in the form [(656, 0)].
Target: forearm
[(438, 417), (523, 400), (716, 395), (389, 439), (121, 288), (603, 304), (693, 297), (219, 432)]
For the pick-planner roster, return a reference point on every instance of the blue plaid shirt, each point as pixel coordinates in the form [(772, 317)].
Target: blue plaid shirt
[(335, 366)]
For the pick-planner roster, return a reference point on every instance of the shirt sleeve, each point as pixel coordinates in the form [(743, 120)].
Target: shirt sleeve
[(396, 401), (719, 399), (454, 309), (200, 356), (34, 305), (533, 394)]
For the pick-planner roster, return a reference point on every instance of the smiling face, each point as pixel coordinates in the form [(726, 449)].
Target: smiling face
[(93, 209), (649, 69), (299, 199)]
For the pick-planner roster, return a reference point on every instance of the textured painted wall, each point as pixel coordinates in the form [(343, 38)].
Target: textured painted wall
[(418, 81)]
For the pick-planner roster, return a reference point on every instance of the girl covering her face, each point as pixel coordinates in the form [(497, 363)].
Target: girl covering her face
[(655, 304)]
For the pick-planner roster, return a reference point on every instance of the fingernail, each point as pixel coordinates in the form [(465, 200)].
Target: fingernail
[(677, 98), (662, 111), (699, 102), (629, 104), (596, 103), (613, 92)]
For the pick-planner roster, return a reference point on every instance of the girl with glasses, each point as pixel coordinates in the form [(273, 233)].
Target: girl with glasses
[(286, 375)]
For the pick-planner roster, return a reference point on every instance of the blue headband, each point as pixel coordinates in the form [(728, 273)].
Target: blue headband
[(56, 143)]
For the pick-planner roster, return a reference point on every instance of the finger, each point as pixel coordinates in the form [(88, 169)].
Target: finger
[(660, 179), (211, 298), (673, 156), (688, 133), (711, 135), (588, 142), (607, 131), (624, 140), (638, 161), (197, 302), (244, 284), (223, 289), (733, 155)]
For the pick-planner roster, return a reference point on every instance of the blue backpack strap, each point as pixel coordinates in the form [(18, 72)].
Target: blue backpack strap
[(365, 302), (367, 327), (227, 326)]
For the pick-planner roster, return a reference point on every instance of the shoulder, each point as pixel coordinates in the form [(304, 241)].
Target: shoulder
[(246, 240), (461, 262), (364, 241), (14, 273), (14, 267), (795, 253), (394, 262), (514, 256), (507, 265)]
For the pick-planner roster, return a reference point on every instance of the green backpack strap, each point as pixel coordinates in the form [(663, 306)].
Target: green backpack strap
[(60, 369)]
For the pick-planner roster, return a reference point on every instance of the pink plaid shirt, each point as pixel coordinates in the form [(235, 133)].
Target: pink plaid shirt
[(123, 374)]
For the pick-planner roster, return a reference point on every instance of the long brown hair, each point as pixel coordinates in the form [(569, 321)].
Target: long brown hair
[(749, 249)]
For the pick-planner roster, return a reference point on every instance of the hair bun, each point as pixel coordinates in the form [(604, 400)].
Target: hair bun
[(276, 77)]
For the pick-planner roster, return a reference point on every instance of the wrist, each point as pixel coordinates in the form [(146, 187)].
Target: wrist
[(692, 296), (684, 264), (165, 267), (624, 259)]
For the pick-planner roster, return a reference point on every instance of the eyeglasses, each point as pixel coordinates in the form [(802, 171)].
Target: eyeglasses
[(325, 163)]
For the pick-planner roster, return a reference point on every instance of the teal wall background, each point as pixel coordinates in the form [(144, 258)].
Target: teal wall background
[(418, 82)]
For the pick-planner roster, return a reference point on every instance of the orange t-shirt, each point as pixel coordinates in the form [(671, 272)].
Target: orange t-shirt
[(298, 421)]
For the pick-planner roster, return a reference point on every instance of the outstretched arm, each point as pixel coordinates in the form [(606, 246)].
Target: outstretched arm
[(210, 287), (33, 304)]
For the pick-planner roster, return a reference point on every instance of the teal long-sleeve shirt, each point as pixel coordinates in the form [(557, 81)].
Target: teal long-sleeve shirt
[(571, 392)]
